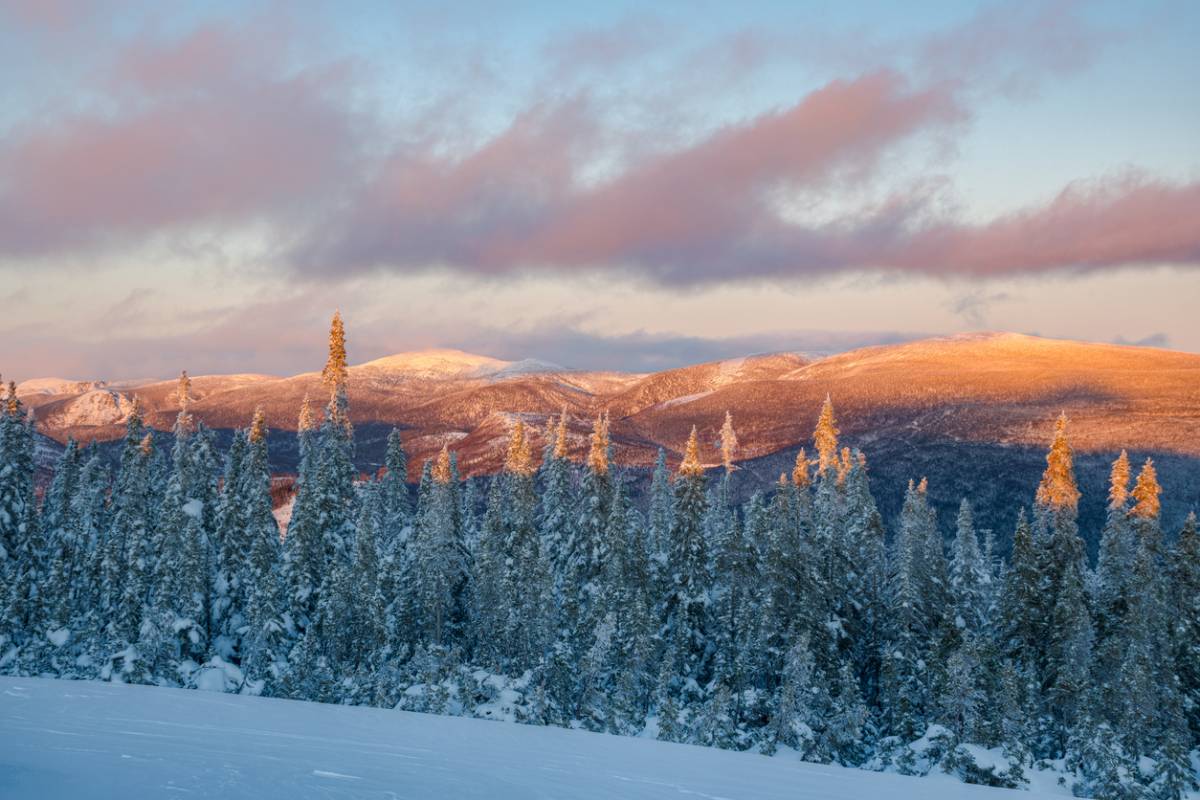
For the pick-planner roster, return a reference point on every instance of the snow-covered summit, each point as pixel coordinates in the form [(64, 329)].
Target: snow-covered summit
[(53, 386), (438, 363), (449, 364)]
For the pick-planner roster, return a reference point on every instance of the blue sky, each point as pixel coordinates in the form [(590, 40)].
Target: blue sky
[(606, 185)]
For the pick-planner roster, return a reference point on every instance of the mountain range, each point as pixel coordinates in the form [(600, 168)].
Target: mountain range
[(973, 412)]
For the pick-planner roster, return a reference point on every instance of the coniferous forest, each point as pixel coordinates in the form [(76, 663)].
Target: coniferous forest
[(793, 623)]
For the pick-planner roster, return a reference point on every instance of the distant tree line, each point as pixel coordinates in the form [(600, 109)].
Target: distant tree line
[(791, 622)]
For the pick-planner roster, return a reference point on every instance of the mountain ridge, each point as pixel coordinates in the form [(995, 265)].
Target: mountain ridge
[(921, 408)]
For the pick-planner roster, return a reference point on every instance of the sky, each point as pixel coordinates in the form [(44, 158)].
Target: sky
[(613, 186)]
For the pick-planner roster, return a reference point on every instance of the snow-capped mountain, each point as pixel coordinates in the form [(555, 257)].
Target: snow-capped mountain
[(989, 398)]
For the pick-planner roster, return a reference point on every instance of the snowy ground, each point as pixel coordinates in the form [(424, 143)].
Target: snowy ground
[(66, 739)]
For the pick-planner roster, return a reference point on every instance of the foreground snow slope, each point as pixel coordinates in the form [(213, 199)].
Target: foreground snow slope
[(67, 739)]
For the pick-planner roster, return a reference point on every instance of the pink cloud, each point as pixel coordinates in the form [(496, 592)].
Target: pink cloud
[(226, 127), (196, 131), (517, 201), (1098, 224)]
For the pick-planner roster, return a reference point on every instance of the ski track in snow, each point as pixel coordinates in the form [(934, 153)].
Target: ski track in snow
[(64, 739)]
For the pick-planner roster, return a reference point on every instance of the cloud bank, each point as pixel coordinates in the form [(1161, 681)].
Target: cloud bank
[(223, 128)]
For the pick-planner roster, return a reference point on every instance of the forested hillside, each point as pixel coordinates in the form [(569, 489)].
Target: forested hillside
[(793, 620)]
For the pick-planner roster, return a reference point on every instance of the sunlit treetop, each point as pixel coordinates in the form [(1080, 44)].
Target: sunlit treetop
[(1146, 493), (598, 455), (1118, 482), (519, 459), (691, 466), (800, 470), (335, 372), (1058, 489), (258, 426), (442, 473), (825, 438)]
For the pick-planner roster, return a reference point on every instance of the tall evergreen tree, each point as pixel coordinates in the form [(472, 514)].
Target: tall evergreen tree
[(556, 520), (1185, 613), (685, 608), (441, 564), (262, 648), (1069, 641)]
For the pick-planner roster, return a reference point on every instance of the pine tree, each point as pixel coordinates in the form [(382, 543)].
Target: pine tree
[(58, 530), (232, 551), (788, 577), (81, 554), (304, 547), (866, 600), (1147, 682), (335, 373), (525, 587), (729, 446), (825, 438), (685, 611), (128, 552), (1185, 611), (556, 522), (589, 550), (736, 604), (658, 523), (441, 566), (1114, 573), (16, 480), (23, 571), (1067, 650), (914, 621), (263, 645), (968, 575), (395, 510)]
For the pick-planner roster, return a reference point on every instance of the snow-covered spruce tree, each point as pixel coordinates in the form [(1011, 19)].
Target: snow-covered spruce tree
[(658, 523), (1114, 567), (1069, 636), (1153, 723), (127, 562), (22, 553), (489, 614), (736, 606), (616, 678), (729, 447), (440, 575), (231, 551), (1185, 613), (685, 607), (837, 609), (304, 546), (394, 506), (177, 639), (58, 532), (969, 575), (914, 622), (827, 535), (16, 479), (789, 571), (525, 581), (323, 514), (81, 554), (335, 501), (556, 520), (588, 550), (404, 610), (867, 601), (72, 521), (360, 617), (263, 645)]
